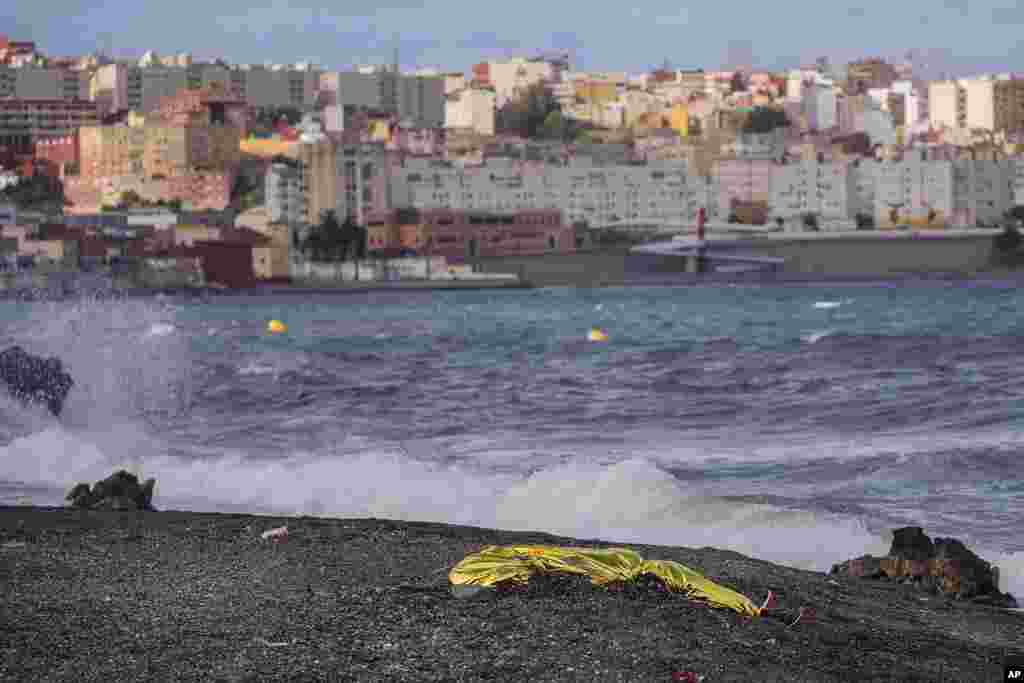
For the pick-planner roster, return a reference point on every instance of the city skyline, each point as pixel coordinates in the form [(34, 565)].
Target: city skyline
[(453, 36)]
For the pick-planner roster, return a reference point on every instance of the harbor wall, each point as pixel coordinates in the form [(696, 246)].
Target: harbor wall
[(854, 255)]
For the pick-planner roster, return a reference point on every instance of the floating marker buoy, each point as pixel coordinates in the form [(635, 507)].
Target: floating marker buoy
[(596, 335), (276, 327)]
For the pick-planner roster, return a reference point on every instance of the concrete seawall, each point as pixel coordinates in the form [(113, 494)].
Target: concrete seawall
[(888, 254), (873, 255)]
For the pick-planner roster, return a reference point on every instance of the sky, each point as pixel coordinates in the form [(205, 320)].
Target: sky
[(955, 37)]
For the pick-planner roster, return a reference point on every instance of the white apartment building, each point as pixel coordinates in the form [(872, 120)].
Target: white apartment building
[(909, 190), (285, 200), (658, 193), (915, 106), (1016, 174), (472, 108), (819, 106), (960, 193), (863, 179), (877, 124), (824, 189), (982, 191)]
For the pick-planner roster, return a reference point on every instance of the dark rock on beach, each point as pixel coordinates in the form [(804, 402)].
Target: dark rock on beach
[(176, 596), (33, 379), (119, 491), (944, 566)]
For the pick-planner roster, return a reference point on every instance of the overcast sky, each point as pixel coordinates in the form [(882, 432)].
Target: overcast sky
[(954, 36)]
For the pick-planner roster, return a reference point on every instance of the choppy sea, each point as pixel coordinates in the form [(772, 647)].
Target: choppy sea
[(796, 423)]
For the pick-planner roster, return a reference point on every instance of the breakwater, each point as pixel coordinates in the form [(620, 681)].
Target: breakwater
[(813, 256)]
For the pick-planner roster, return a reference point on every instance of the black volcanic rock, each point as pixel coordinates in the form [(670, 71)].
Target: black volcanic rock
[(944, 566), (33, 379)]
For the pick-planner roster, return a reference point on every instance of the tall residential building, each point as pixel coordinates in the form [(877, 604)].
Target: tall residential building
[(284, 197), (38, 83), (349, 179), (23, 122), (141, 88), (260, 87), (194, 130), (418, 99)]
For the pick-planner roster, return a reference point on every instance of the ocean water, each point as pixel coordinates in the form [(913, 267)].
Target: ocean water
[(793, 423)]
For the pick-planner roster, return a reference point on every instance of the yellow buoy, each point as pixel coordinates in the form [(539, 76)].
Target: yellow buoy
[(276, 327), (596, 335)]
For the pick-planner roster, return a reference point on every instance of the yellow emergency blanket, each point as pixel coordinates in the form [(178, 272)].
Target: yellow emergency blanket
[(497, 564)]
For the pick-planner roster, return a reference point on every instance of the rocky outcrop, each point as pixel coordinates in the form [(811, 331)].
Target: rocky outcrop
[(119, 491), (32, 379), (942, 565)]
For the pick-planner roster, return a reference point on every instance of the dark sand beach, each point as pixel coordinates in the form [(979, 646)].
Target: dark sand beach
[(179, 596)]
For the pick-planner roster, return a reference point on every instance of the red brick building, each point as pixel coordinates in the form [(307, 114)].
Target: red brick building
[(458, 234), (226, 263), (57, 155), (206, 106)]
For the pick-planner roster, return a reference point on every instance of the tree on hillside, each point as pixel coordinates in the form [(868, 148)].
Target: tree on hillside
[(555, 126), (526, 114)]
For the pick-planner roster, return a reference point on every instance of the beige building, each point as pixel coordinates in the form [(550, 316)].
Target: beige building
[(453, 82), (637, 103), (513, 76), (947, 104), (472, 109), (319, 179), (154, 149), (995, 105)]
